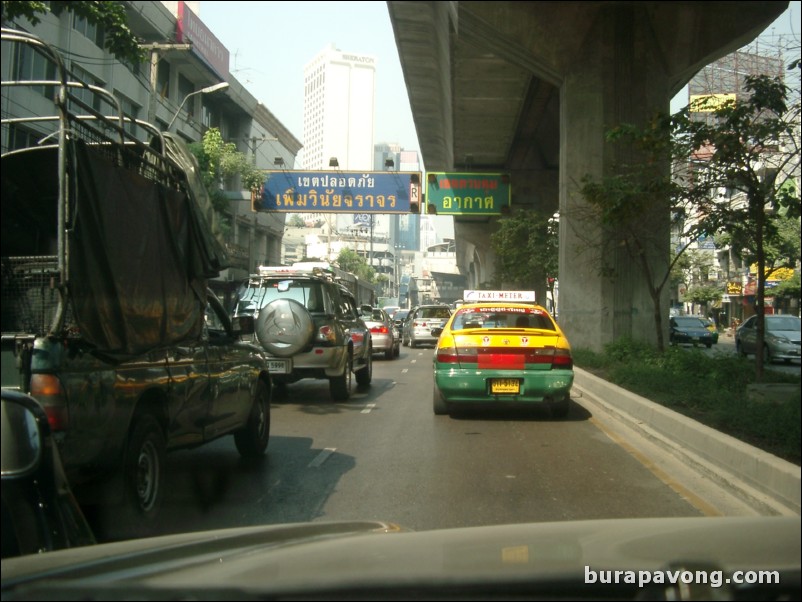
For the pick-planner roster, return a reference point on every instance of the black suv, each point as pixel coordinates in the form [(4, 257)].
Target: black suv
[(309, 325)]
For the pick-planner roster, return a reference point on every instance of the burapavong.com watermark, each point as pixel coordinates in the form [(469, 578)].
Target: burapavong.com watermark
[(681, 577)]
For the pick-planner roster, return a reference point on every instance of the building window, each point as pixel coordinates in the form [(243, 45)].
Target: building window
[(185, 88), (89, 30), (20, 137), (88, 97), (163, 79), (31, 65), (131, 110)]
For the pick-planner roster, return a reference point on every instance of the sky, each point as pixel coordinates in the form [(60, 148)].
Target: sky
[(271, 42)]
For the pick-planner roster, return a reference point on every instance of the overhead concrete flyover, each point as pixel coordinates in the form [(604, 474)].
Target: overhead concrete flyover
[(530, 88)]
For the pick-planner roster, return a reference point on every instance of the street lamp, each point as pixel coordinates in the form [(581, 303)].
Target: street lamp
[(206, 90)]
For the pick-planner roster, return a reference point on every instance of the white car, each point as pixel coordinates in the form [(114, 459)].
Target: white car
[(781, 338), (382, 332)]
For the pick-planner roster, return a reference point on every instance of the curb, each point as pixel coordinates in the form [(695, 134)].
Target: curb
[(769, 483)]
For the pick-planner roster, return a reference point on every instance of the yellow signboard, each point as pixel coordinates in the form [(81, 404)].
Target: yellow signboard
[(778, 274), (708, 103)]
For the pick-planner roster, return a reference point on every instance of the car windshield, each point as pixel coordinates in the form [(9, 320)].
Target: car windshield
[(689, 323), (783, 323), (433, 312), (501, 317), (256, 295)]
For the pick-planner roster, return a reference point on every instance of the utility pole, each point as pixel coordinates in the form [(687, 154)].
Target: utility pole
[(156, 50)]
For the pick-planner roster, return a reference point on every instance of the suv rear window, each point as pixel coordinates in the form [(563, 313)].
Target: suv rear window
[(307, 292), (434, 312)]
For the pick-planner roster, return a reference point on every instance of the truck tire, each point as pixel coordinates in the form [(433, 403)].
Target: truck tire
[(284, 327), (340, 386), (365, 375), (252, 439), (143, 466)]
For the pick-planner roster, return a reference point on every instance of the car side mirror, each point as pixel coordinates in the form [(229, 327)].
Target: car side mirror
[(21, 443)]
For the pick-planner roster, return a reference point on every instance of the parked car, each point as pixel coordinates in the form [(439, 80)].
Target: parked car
[(421, 320), (40, 512), (690, 330), (383, 332), (309, 326), (499, 352), (781, 339)]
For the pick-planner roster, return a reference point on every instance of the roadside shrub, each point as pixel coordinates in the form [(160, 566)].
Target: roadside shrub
[(710, 389)]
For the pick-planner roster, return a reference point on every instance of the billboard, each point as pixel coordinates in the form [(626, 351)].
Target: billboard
[(340, 192), (709, 103), (467, 193)]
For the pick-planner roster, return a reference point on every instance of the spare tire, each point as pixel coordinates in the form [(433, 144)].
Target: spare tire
[(284, 327)]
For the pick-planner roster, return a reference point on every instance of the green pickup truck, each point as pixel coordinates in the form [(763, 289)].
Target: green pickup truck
[(107, 317)]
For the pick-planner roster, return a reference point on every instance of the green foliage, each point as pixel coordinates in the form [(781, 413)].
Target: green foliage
[(526, 244), (703, 295), (788, 288), (219, 161), (710, 389), (351, 261), (119, 40)]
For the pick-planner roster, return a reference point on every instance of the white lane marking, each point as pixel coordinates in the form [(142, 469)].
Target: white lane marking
[(405, 370), (368, 408), (322, 457)]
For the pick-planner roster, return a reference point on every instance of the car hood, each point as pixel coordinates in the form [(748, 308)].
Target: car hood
[(791, 335), (328, 557)]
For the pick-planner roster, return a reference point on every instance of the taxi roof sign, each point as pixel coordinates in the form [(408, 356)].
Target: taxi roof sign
[(496, 296)]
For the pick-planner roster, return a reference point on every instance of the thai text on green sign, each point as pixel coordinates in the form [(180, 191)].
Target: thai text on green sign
[(467, 193)]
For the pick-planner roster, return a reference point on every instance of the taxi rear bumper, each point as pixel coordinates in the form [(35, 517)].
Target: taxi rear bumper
[(461, 385)]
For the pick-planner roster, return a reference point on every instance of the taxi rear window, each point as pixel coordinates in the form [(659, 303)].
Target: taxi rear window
[(501, 318)]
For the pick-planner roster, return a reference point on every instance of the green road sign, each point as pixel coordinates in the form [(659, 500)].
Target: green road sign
[(467, 193)]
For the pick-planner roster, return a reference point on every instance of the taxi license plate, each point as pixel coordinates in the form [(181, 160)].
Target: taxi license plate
[(501, 386), (279, 366)]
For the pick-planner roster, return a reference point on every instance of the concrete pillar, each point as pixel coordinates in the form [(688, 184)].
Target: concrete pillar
[(618, 78)]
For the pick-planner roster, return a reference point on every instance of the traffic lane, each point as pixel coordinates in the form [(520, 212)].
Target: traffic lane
[(385, 455)]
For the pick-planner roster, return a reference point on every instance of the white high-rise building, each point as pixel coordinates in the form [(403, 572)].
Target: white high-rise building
[(339, 104)]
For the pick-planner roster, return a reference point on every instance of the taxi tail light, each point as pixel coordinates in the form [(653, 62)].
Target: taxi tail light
[(453, 355), (563, 359), (558, 358), (47, 390)]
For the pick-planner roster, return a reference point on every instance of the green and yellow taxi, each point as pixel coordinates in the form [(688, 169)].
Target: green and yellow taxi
[(503, 349)]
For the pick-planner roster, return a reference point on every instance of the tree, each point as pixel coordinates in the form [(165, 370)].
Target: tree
[(730, 177), (118, 39), (220, 161), (749, 155), (526, 244), (351, 261), (633, 204)]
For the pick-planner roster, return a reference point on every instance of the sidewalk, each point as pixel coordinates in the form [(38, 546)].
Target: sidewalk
[(770, 484)]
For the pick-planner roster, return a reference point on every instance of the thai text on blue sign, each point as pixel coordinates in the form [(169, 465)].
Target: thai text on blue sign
[(341, 192), (467, 193)]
